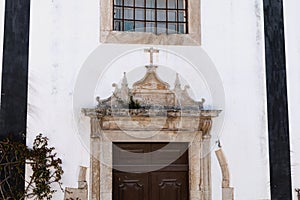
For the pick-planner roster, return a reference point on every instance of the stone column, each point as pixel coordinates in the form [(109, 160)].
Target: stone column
[(206, 168), (95, 159), (205, 183), (194, 172)]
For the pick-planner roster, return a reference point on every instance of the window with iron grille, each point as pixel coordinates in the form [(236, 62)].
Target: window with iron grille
[(155, 16)]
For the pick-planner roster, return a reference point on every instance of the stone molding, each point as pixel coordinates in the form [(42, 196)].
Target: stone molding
[(107, 35), (101, 158), (143, 112)]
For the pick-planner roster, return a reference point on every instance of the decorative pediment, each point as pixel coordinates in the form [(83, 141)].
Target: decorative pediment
[(148, 92), (150, 81), (149, 104), (150, 96)]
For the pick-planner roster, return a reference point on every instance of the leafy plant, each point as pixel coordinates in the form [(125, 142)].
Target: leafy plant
[(133, 104), (46, 169)]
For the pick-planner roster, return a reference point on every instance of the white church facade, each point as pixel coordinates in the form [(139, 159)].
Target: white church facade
[(179, 53), (202, 91)]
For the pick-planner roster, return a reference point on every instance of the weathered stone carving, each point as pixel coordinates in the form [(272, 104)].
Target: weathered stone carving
[(151, 51), (152, 92), (171, 113), (205, 125)]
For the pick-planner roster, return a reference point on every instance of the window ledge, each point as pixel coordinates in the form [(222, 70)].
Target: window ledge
[(149, 38)]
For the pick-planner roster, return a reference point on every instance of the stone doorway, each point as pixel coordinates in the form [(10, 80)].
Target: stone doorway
[(150, 111), (150, 171)]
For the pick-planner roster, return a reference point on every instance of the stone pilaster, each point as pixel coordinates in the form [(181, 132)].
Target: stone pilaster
[(95, 159), (206, 168)]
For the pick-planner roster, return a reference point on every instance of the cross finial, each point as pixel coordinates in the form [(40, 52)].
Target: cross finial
[(177, 82), (151, 51)]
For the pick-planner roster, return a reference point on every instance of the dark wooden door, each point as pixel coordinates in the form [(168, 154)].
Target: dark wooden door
[(151, 171)]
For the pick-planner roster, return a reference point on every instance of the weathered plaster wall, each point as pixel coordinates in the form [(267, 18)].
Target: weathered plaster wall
[(233, 37), (292, 33), (64, 33)]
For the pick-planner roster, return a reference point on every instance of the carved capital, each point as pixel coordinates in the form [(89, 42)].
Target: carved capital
[(95, 127), (205, 125)]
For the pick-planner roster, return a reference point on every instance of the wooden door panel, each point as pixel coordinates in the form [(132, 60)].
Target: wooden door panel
[(169, 153), (130, 154), (169, 185), (130, 186), (139, 153)]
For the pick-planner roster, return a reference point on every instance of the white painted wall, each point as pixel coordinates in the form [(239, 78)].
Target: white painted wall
[(292, 33), (233, 37), (64, 33)]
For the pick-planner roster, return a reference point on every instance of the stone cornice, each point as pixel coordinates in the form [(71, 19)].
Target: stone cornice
[(142, 112), (139, 119)]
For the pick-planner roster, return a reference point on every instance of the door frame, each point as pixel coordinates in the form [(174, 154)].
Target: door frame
[(199, 164)]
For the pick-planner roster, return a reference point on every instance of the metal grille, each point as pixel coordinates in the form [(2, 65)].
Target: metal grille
[(155, 16)]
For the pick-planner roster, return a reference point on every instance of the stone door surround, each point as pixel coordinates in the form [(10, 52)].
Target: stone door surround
[(150, 112)]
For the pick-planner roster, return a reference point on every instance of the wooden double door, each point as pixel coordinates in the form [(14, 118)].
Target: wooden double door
[(150, 171)]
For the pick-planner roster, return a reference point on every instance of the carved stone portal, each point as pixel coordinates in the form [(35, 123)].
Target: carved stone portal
[(150, 112)]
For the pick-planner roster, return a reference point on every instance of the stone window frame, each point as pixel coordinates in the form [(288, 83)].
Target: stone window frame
[(108, 35), (151, 16)]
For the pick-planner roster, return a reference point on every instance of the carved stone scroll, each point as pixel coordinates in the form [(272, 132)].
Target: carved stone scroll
[(227, 191), (205, 125)]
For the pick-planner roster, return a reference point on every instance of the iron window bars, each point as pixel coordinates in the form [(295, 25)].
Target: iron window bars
[(156, 16)]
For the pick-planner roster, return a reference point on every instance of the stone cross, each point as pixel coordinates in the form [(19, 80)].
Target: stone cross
[(151, 51)]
